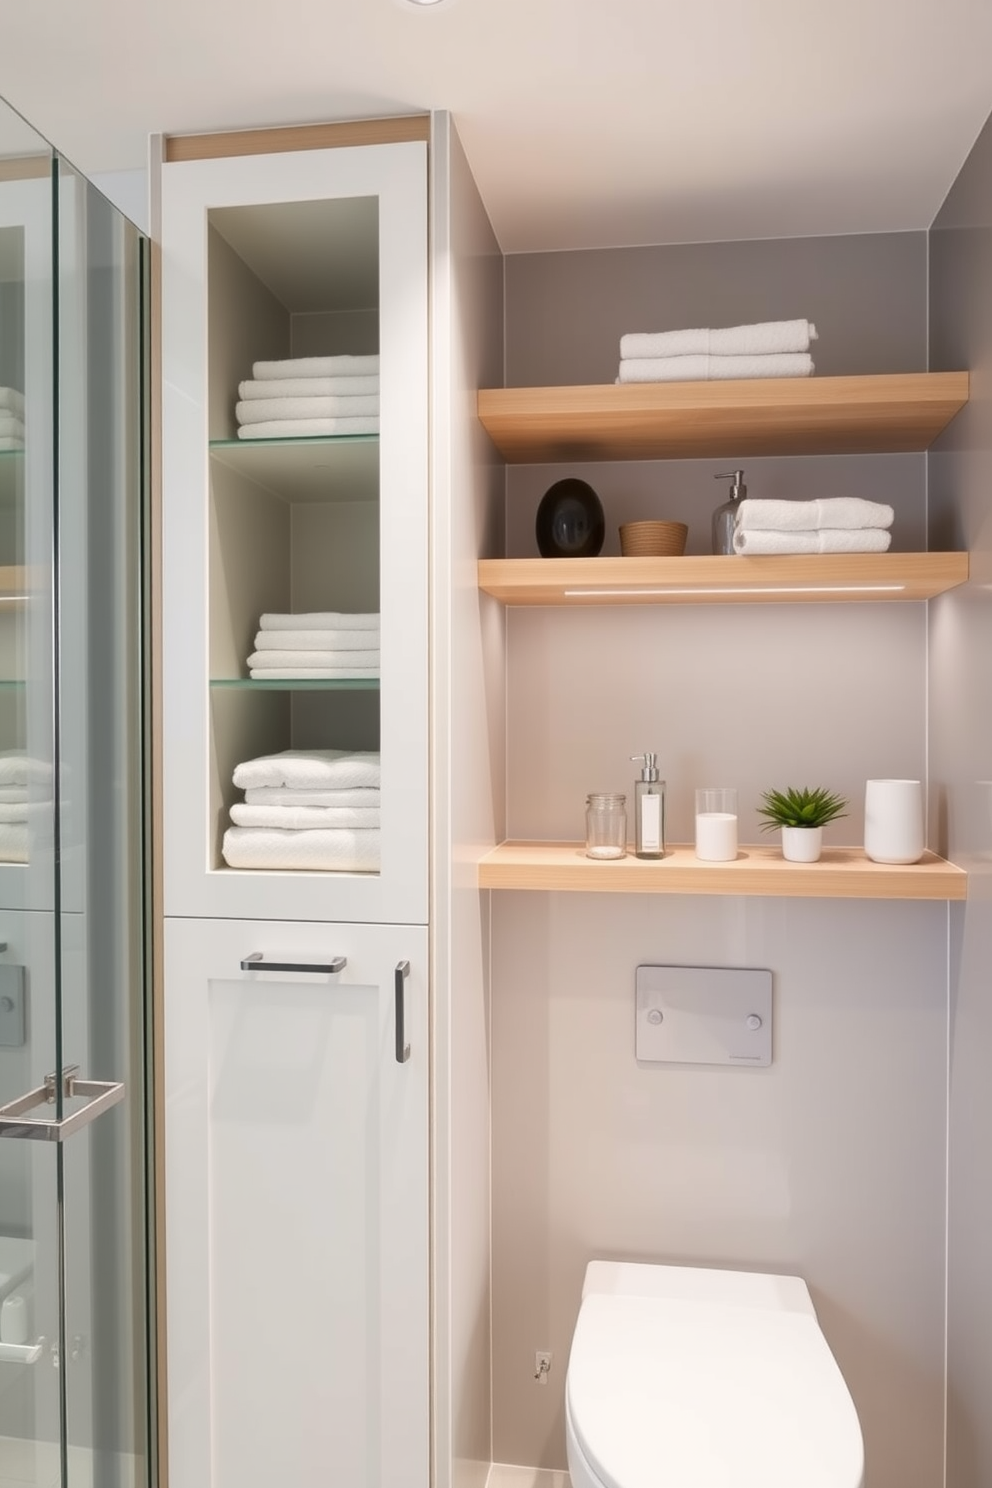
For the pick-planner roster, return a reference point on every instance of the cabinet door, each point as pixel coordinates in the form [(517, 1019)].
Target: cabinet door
[(283, 258), (296, 1206)]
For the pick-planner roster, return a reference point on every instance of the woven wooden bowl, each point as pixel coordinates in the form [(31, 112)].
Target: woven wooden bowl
[(653, 539)]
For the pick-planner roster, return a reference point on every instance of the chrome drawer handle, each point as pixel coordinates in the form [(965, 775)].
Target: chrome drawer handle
[(257, 962), (99, 1095)]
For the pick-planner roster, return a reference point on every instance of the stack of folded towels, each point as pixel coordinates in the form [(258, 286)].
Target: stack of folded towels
[(316, 809), (25, 796), (327, 644), (839, 524), (309, 396), (774, 348), (11, 419)]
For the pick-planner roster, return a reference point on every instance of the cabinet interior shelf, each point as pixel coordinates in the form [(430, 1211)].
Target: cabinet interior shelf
[(841, 873), (690, 420), (339, 467), (813, 578), (295, 684)]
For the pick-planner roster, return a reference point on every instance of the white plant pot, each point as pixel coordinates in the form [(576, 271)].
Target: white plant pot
[(802, 844)]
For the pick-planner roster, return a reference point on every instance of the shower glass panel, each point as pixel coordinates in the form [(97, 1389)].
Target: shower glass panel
[(74, 1188)]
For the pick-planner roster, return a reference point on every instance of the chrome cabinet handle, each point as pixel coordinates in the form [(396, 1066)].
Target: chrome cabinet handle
[(257, 962), (99, 1095), (402, 1047)]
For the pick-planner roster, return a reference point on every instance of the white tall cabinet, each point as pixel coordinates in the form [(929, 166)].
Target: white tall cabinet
[(295, 1003)]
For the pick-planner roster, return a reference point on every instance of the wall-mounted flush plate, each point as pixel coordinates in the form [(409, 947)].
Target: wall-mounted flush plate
[(703, 1015), (12, 1031)]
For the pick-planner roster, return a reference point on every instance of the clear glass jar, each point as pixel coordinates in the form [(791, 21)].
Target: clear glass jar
[(606, 826)]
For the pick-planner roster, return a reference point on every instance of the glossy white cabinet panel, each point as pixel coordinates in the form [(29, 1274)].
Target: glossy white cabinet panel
[(296, 1206)]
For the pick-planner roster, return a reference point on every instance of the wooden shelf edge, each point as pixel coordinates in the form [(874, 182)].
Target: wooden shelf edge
[(809, 578), (841, 873), (685, 420)]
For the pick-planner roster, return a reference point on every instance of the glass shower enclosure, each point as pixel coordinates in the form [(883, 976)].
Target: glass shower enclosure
[(75, 1200)]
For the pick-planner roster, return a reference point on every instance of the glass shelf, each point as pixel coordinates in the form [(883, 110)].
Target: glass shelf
[(295, 684), (338, 467)]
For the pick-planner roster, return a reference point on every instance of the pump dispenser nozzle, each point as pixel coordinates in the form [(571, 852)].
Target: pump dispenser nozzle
[(650, 770)]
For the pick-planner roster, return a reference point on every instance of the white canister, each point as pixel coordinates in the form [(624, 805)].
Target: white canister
[(716, 823), (894, 827)]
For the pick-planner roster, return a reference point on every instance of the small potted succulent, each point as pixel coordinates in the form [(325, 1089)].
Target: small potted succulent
[(802, 814)]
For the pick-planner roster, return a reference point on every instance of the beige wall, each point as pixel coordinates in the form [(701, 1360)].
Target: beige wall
[(831, 1163), (961, 723)]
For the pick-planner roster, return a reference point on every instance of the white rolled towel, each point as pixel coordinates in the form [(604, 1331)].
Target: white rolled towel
[(353, 660), (316, 640), (264, 410), (330, 366), (309, 387), (334, 850), (311, 428), (11, 400), (807, 516), (11, 425), (320, 620), (311, 769), (306, 818), (823, 540), (760, 339), (365, 797), (18, 769), (11, 441), (714, 368)]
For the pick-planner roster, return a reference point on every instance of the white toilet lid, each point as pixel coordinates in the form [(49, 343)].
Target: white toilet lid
[(709, 1395)]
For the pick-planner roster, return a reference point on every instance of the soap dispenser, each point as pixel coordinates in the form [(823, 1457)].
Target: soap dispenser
[(649, 809), (725, 516)]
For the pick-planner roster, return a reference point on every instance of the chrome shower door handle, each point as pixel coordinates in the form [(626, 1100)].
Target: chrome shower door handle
[(402, 1047), (99, 1095)]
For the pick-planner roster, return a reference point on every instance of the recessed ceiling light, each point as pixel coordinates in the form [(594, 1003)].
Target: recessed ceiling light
[(425, 3)]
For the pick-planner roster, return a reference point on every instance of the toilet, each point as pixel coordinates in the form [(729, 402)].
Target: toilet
[(683, 1377)]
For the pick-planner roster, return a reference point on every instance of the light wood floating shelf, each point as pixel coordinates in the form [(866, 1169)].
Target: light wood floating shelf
[(815, 579), (841, 873), (691, 420)]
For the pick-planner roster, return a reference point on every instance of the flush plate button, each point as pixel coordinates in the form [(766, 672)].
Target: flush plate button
[(703, 1015)]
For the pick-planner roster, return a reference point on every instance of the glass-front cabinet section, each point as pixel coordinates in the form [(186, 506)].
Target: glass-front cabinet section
[(295, 519)]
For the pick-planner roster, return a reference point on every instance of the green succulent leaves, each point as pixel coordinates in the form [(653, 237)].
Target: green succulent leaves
[(800, 808)]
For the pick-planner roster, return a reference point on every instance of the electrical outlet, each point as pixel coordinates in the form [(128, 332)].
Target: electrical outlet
[(542, 1366)]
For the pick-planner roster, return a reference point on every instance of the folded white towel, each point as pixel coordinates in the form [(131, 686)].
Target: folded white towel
[(22, 769), (11, 441), (807, 516), (760, 339), (330, 366), (313, 674), (23, 811), (320, 620), (313, 769), (335, 850), (11, 425), (10, 794), (824, 540), (11, 400), (355, 660), (366, 797), (316, 640), (714, 368), (306, 818), (314, 428), (264, 410), (14, 842), (308, 387)]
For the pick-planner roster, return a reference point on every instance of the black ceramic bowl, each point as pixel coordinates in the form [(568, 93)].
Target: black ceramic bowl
[(570, 521)]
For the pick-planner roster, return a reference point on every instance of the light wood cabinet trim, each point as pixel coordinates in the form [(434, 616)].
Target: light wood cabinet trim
[(688, 420), (842, 873), (399, 130), (813, 579)]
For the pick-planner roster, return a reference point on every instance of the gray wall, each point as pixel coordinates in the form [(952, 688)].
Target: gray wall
[(830, 1164), (961, 726)]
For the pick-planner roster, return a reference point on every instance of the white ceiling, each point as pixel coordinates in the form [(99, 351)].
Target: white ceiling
[(588, 123)]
